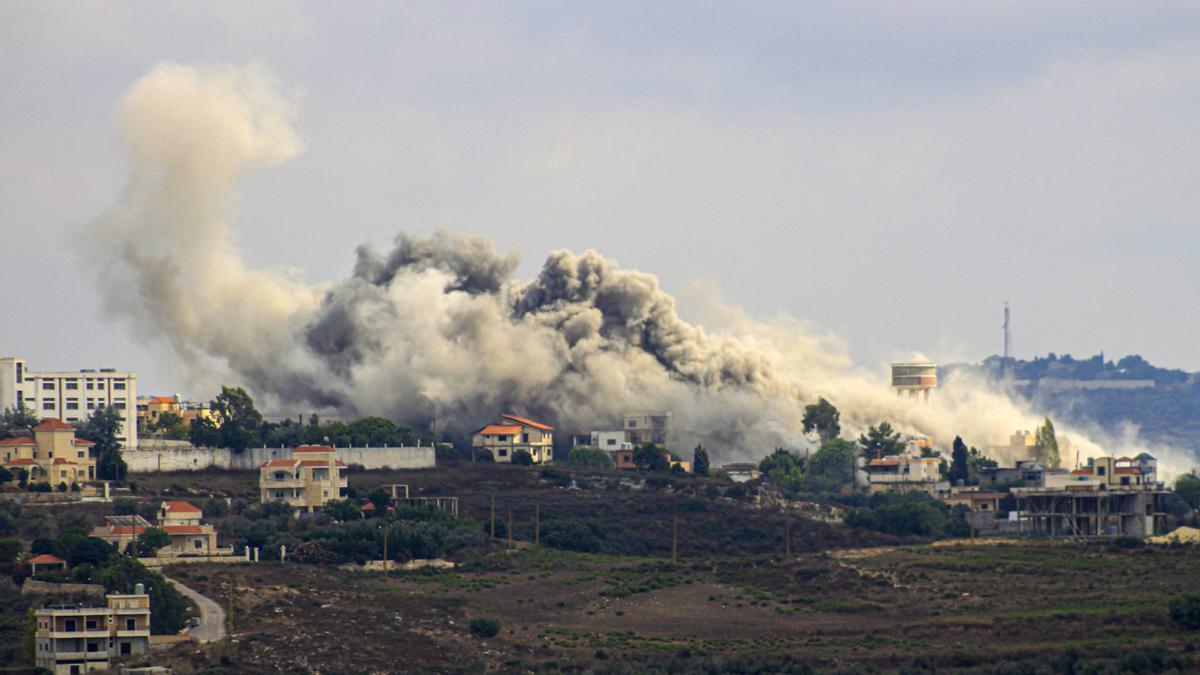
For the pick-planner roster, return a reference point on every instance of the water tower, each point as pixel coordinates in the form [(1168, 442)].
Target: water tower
[(914, 379)]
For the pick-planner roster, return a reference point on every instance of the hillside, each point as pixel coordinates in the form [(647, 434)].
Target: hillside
[(1161, 402)]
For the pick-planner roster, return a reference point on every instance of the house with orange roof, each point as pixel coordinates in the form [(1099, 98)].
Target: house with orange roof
[(182, 523), (52, 455), (46, 562), (121, 531), (306, 481), (512, 433)]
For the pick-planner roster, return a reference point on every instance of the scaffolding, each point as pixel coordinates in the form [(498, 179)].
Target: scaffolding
[(1091, 513)]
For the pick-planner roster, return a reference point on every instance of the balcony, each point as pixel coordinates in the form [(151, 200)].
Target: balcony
[(270, 482), (139, 632)]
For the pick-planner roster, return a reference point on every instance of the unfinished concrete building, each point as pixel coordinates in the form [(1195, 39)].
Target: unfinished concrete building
[(1108, 497)]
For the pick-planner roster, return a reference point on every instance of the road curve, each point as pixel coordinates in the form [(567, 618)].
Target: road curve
[(212, 616)]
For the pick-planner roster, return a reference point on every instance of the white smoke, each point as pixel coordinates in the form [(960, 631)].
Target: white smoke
[(437, 329)]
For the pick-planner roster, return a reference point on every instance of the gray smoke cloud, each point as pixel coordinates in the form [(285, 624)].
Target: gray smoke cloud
[(438, 328)]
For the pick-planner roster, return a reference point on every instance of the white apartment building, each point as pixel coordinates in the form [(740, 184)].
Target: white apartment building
[(70, 396)]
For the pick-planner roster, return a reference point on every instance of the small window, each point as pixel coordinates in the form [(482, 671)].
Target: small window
[(48, 385), (612, 441), (48, 404), (90, 386), (503, 452), (72, 385), (119, 385), (503, 438), (72, 404), (524, 438)]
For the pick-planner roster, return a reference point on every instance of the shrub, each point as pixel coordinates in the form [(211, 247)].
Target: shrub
[(215, 508), (1185, 611), (594, 458), (62, 487), (484, 628), (522, 458), (40, 487)]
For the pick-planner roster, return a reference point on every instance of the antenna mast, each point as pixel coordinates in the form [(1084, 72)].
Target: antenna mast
[(1007, 334)]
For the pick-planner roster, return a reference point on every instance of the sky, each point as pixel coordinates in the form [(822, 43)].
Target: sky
[(888, 173)]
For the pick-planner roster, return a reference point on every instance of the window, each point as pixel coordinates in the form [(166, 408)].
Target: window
[(91, 624), (1100, 471), (503, 438), (612, 441), (92, 645), (524, 438), (48, 404), (119, 385), (72, 404), (90, 385), (82, 454), (632, 424), (90, 404), (71, 384), (119, 404), (503, 452), (126, 647), (198, 543), (48, 385), (130, 624)]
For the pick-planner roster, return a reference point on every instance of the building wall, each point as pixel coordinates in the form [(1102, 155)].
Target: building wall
[(164, 457), (69, 397)]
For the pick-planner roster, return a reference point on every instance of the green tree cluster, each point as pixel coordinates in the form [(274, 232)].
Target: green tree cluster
[(700, 463), (1045, 445), (15, 420), (880, 441), (823, 418), (592, 458), (102, 428)]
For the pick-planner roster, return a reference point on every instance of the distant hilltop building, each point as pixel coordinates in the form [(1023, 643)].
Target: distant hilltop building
[(70, 395), (52, 455), (914, 379), (150, 410), (647, 427), (313, 476)]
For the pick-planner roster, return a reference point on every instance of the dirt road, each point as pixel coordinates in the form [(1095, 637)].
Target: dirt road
[(212, 617)]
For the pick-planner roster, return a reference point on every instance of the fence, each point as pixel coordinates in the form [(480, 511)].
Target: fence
[(160, 456)]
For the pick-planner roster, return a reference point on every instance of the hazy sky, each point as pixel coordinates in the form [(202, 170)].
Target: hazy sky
[(889, 173)]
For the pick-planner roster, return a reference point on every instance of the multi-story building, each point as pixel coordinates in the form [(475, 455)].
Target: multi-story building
[(512, 433), (902, 473), (151, 408), (70, 395), (121, 531), (81, 638), (313, 476), (1109, 496), (604, 440), (182, 523), (643, 428), (52, 455)]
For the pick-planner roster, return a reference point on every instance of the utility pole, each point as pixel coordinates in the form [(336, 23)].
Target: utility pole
[(787, 537), (493, 516), (385, 536), (230, 618), (675, 540), (510, 527), (537, 524), (1007, 335)]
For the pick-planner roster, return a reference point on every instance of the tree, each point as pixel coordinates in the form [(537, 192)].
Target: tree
[(832, 466), (960, 459), (593, 458), (1187, 488), (89, 551), (1185, 611), (102, 429), (204, 433), (881, 441), (240, 424), (168, 609), (380, 498), (5, 475), (343, 510), (700, 461), (151, 540), (824, 419), (522, 458), (783, 469), (172, 426), (650, 457), (1045, 446), (16, 419)]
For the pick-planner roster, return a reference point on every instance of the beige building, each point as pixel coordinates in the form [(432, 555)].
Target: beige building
[(81, 638), (513, 433), (189, 536), (71, 395), (310, 478), (121, 531), (150, 410), (652, 427), (902, 473), (52, 455)]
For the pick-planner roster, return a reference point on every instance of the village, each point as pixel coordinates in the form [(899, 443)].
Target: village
[(48, 466)]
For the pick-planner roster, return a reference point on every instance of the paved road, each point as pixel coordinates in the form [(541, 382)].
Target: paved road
[(212, 617)]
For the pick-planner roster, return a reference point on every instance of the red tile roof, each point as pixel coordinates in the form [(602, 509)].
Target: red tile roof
[(125, 529), (182, 529), (340, 463), (47, 559), (369, 506), (315, 448), (24, 461), (528, 422), (884, 462), (1081, 472), (181, 507), (1137, 471), (62, 460), (23, 440), (53, 424), (314, 462), (163, 399), (500, 430), (83, 441)]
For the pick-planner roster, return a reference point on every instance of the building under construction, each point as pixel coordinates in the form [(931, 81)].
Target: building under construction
[(1109, 497)]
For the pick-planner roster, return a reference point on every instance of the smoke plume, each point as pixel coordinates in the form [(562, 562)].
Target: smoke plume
[(437, 329)]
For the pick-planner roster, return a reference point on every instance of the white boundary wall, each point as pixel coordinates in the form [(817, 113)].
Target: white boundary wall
[(183, 457)]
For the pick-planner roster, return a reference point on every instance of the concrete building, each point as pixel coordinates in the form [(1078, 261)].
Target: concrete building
[(313, 476), (643, 428), (70, 395), (182, 523), (512, 433), (81, 638), (51, 455), (151, 408), (1027, 472), (741, 472), (902, 473), (1108, 497), (121, 531), (604, 440)]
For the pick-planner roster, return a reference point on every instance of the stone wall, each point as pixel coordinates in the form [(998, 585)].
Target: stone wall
[(150, 458)]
